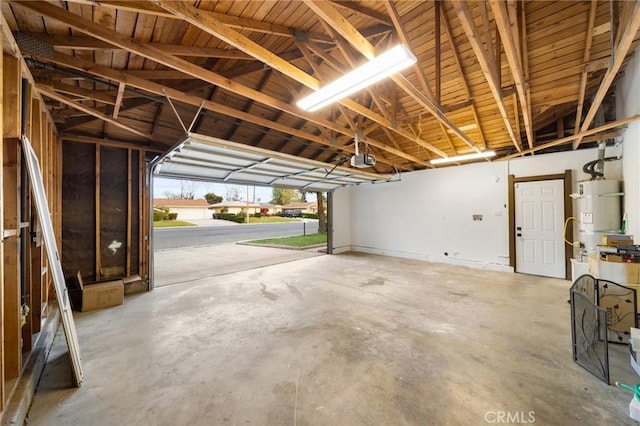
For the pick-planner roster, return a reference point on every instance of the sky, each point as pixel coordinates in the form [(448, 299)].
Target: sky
[(259, 194)]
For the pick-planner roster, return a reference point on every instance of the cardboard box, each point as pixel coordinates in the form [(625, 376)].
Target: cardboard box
[(134, 284), (614, 258), (619, 272), (101, 295)]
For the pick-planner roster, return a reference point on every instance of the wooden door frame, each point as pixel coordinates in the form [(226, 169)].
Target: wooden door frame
[(568, 212)]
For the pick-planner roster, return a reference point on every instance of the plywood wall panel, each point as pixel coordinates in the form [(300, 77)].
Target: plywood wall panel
[(78, 217), (113, 212)]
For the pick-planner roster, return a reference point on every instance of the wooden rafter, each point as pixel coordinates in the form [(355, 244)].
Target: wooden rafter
[(507, 23), (438, 43), (424, 84), (581, 135), (488, 67), (194, 70), (109, 142), (326, 12), (625, 42), (118, 103), (343, 48), (236, 39), (106, 118), (585, 59), (461, 74), (293, 54), (90, 43), (263, 82), (196, 101), (81, 93), (351, 5), (148, 7)]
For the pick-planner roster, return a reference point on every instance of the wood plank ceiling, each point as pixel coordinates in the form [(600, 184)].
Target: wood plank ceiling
[(509, 76)]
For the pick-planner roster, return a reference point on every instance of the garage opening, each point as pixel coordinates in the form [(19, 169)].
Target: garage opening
[(234, 200)]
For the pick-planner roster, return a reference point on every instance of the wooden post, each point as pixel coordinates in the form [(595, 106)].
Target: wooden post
[(28, 298), (129, 213), (97, 207), (11, 301), (35, 247), (2, 349), (142, 219), (11, 130)]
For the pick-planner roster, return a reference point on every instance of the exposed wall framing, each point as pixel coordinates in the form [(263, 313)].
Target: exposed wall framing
[(25, 280), (104, 217)]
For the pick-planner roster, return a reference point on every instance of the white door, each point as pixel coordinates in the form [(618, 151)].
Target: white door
[(539, 209)]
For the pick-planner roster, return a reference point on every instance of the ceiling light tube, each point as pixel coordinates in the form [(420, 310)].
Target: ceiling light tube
[(378, 68), (474, 156)]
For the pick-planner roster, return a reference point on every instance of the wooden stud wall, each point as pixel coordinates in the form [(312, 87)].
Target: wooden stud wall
[(12, 335), (25, 283), (105, 201)]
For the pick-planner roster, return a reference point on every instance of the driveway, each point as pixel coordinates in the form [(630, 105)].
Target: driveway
[(212, 232), (183, 265), (185, 254)]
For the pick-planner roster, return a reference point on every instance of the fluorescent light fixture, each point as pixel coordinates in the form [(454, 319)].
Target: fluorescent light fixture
[(474, 156), (378, 68)]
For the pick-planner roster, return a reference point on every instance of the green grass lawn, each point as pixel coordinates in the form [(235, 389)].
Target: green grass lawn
[(169, 223), (272, 219), (296, 241)]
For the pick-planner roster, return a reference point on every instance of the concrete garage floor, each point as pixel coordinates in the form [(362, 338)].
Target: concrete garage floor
[(186, 264), (351, 339)]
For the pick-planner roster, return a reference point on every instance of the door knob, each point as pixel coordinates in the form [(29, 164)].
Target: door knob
[(519, 234)]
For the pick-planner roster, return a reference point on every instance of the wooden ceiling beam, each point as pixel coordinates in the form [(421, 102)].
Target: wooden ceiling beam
[(327, 13), (343, 48), (71, 137), (369, 13), (216, 28), (294, 54), (461, 74), (620, 53), (47, 91), (196, 101), (581, 135), (584, 74), (88, 27), (263, 82), (507, 24), (79, 92), (426, 87), (488, 67), (151, 8), (118, 104), (89, 43)]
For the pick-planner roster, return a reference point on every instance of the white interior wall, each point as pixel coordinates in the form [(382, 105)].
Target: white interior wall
[(341, 225), (429, 213), (628, 104)]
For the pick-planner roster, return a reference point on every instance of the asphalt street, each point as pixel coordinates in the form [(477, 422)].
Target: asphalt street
[(169, 238)]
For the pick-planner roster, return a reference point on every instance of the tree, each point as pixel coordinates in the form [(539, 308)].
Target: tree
[(187, 191), (212, 198), (303, 195), (283, 196), (322, 219), (233, 194)]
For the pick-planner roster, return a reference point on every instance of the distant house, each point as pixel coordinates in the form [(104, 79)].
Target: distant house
[(186, 209), (270, 209), (234, 207), (297, 208)]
